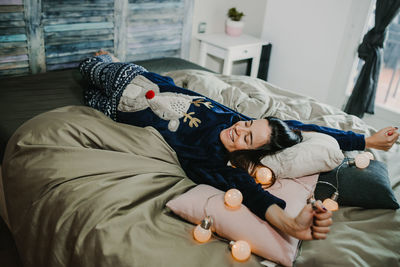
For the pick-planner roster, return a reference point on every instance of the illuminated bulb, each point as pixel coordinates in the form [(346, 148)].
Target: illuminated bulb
[(362, 161), (369, 155), (233, 198), (202, 232), (240, 250), (330, 203), (263, 175)]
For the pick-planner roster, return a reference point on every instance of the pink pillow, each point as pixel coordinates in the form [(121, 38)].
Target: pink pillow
[(242, 224)]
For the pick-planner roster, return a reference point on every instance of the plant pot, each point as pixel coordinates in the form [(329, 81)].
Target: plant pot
[(234, 28)]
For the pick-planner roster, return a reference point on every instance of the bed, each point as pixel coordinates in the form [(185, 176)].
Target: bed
[(94, 194)]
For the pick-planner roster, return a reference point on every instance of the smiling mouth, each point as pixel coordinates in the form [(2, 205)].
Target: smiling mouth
[(231, 134)]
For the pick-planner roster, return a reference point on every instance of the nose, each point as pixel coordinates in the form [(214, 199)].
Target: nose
[(241, 130)]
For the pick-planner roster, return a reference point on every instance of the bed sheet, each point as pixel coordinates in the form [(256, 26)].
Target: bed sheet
[(91, 199)]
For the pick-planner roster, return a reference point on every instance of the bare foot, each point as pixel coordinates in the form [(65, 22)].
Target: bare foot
[(102, 52)]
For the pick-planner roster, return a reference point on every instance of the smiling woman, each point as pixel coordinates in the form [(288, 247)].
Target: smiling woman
[(205, 134), (201, 131), (264, 137), (245, 135)]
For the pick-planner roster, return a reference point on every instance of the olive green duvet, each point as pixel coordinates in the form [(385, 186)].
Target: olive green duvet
[(83, 190)]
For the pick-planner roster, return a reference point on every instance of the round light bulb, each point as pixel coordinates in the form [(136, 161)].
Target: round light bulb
[(362, 161), (202, 232), (240, 250), (369, 155), (263, 175), (233, 198), (330, 203)]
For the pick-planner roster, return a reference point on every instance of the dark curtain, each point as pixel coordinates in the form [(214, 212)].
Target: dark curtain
[(362, 98)]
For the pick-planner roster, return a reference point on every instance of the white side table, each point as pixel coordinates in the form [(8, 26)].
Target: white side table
[(231, 49)]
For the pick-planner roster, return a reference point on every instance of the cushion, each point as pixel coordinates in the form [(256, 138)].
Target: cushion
[(242, 224), (316, 153), (367, 188)]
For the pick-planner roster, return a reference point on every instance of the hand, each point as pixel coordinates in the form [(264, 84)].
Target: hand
[(309, 224), (383, 139), (312, 223)]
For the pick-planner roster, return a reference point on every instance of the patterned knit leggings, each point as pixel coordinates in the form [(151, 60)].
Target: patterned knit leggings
[(107, 80)]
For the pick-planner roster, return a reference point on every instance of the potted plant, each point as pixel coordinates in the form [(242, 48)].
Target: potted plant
[(234, 24)]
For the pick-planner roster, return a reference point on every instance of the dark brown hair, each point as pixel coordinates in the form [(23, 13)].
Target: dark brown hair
[(281, 137)]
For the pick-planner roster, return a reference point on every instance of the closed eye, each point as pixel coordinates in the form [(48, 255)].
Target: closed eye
[(251, 133), (246, 139)]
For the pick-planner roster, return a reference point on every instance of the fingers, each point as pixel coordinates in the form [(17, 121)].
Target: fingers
[(322, 216), (320, 230), (392, 137), (396, 137), (318, 206), (390, 131), (386, 129), (325, 221), (318, 235), (383, 139), (321, 225), (322, 219)]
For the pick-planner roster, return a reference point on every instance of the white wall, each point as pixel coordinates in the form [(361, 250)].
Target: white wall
[(213, 12), (314, 42), (314, 45)]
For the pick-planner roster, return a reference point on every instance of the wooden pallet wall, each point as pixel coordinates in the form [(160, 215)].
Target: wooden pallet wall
[(13, 40), (73, 30), (44, 35), (156, 28)]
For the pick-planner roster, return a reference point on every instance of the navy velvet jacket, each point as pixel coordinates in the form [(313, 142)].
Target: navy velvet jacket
[(196, 140)]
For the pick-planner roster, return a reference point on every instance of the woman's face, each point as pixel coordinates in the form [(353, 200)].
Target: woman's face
[(245, 135)]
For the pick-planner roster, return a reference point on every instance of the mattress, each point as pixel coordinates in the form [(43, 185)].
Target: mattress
[(114, 214)]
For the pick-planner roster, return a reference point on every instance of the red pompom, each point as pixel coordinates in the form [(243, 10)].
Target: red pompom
[(150, 94)]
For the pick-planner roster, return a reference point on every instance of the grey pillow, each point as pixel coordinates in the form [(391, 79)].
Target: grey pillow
[(367, 188)]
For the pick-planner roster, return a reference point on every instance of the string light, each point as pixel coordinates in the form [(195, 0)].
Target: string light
[(370, 155), (202, 232), (233, 198), (362, 160), (240, 250), (331, 203), (263, 175)]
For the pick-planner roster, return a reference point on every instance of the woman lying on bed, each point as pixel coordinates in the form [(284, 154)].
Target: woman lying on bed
[(206, 134)]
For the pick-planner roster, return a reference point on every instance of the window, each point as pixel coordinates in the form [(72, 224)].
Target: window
[(388, 88)]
